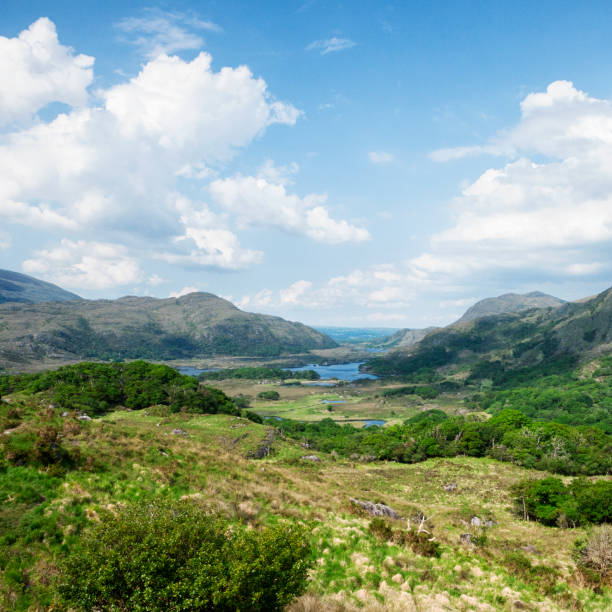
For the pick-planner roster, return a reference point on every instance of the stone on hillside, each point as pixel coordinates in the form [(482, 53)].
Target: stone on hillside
[(311, 458), (376, 509), (84, 417), (179, 432), (476, 521), (465, 538), (451, 486)]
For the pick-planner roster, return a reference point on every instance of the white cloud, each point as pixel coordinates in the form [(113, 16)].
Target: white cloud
[(114, 169), (155, 280), (185, 107), (158, 32), (380, 157), (552, 217), (258, 201), (331, 45), (35, 69), (292, 294), (183, 291), (84, 265), (205, 241)]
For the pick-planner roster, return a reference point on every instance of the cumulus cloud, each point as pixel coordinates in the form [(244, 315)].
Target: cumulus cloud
[(88, 265), (331, 45), (37, 70), (159, 32), (380, 157), (95, 173), (551, 217), (257, 200)]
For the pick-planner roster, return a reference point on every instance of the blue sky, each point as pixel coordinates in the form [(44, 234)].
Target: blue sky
[(358, 163)]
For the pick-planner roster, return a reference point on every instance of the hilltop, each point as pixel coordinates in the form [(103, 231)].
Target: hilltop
[(550, 339), (195, 325), (16, 287), (510, 302)]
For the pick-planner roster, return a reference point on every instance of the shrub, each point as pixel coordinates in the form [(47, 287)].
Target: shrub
[(174, 556), (595, 554), (269, 395)]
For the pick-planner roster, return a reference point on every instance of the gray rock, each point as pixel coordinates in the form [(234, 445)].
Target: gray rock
[(476, 521), (465, 538), (311, 458), (84, 417), (376, 509), (451, 486), (179, 432), (65, 414)]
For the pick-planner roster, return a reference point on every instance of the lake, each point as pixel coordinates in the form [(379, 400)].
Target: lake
[(189, 371), (339, 371)]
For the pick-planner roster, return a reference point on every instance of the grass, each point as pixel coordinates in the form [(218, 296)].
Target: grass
[(132, 455)]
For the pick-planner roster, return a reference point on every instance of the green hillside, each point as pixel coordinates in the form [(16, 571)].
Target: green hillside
[(195, 325), (508, 346), (102, 496)]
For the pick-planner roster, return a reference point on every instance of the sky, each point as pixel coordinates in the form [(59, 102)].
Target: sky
[(356, 163)]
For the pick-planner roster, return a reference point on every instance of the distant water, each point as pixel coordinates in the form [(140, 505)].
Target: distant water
[(340, 371), (374, 422), (189, 371)]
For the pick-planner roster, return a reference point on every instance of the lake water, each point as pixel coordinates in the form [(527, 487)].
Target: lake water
[(339, 371), (371, 422)]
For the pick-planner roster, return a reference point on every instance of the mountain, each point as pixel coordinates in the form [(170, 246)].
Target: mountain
[(539, 340), (510, 302), (15, 287), (195, 325), (404, 338)]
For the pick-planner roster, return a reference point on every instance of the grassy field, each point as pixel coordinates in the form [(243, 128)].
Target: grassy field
[(343, 403), (133, 455)]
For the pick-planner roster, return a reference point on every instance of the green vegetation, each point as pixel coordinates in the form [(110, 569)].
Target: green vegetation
[(173, 556), (96, 388), (508, 436), (259, 373), (139, 497), (269, 395), (551, 502)]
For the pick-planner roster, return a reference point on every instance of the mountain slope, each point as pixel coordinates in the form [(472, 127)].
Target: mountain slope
[(404, 338), (195, 325), (542, 339), (15, 287), (510, 302)]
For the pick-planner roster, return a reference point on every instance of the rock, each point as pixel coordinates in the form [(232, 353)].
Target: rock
[(519, 605), (451, 486), (376, 509), (179, 432), (368, 458), (84, 417), (311, 458), (476, 521), (65, 414), (465, 538), (305, 445)]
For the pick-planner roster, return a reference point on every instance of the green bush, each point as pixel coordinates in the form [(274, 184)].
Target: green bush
[(173, 556), (269, 395)]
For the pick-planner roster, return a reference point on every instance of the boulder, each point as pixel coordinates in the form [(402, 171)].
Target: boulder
[(313, 458), (376, 509)]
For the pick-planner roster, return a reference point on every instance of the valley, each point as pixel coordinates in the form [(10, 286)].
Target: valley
[(418, 475)]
